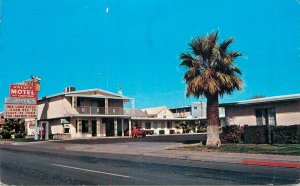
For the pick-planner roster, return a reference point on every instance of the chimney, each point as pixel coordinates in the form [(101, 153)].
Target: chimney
[(69, 89)]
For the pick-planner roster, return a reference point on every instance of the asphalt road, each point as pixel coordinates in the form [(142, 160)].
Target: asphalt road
[(23, 165)]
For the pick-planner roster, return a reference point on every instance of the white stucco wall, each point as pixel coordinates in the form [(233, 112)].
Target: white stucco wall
[(56, 127), (165, 113), (55, 108), (287, 113)]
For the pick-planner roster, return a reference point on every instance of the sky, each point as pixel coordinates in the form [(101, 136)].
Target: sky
[(136, 44)]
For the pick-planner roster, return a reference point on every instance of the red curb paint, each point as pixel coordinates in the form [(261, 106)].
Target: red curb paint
[(272, 163), (61, 148)]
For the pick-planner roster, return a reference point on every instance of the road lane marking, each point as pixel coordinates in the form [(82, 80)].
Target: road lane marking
[(87, 170)]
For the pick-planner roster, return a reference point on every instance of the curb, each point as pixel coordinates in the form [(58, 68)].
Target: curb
[(271, 163)]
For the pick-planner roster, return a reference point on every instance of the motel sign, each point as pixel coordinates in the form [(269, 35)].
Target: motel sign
[(20, 111), (22, 91), (22, 100)]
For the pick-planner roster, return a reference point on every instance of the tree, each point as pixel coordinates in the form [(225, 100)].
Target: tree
[(211, 72), (14, 127)]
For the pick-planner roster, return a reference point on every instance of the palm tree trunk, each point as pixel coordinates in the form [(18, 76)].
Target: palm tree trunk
[(213, 121)]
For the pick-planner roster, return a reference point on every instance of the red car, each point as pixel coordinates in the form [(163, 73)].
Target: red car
[(141, 132), (144, 132)]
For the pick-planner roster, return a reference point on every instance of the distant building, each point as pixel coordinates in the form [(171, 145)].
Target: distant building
[(156, 118), (158, 112), (196, 111), (276, 111), (182, 112)]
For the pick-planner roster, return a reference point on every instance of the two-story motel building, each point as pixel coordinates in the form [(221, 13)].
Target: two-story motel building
[(86, 113)]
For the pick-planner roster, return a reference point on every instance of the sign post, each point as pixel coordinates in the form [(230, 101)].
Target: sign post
[(36, 128)]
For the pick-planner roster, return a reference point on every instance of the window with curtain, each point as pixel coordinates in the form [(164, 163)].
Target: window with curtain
[(265, 116)]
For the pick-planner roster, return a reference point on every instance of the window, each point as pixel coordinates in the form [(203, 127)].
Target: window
[(272, 116), (162, 125), (67, 130), (138, 124), (85, 126), (76, 123), (195, 108), (148, 125), (169, 124), (266, 116), (79, 102), (155, 125)]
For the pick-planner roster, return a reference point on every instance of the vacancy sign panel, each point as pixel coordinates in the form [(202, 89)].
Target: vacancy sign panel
[(26, 101), (22, 91), (20, 111)]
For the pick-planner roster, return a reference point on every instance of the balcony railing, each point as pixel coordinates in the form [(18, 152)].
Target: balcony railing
[(182, 114), (100, 110)]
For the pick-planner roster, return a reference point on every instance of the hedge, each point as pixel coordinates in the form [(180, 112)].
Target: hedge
[(272, 134), (286, 134), (256, 134), (232, 134)]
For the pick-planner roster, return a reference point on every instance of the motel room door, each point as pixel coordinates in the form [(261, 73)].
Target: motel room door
[(94, 127), (109, 126)]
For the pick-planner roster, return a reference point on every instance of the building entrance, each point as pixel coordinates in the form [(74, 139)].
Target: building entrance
[(109, 126), (94, 128)]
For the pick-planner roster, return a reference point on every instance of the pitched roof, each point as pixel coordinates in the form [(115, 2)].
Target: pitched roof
[(264, 100), (135, 113), (154, 110), (98, 93)]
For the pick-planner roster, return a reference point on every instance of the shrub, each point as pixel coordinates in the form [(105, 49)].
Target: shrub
[(232, 134), (172, 131), (161, 131), (5, 134), (256, 134), (286, 134), (184, 126), (20, 135), (201, 129)]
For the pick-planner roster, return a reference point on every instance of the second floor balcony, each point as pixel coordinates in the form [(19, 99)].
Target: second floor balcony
[(100, 110), (182, 114)]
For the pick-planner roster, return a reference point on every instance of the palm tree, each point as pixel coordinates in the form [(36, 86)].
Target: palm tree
[(211, 72)]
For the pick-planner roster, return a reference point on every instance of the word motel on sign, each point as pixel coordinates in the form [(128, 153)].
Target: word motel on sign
[(22, 91)]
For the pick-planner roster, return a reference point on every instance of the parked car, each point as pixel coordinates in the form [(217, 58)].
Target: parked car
[(144, 132), (141, 132)]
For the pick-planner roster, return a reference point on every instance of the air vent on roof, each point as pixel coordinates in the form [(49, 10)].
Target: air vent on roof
[(70, 89)]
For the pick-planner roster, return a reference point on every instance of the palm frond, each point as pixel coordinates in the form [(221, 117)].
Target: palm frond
[(187, 60), (224, 45), (234, 54)]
